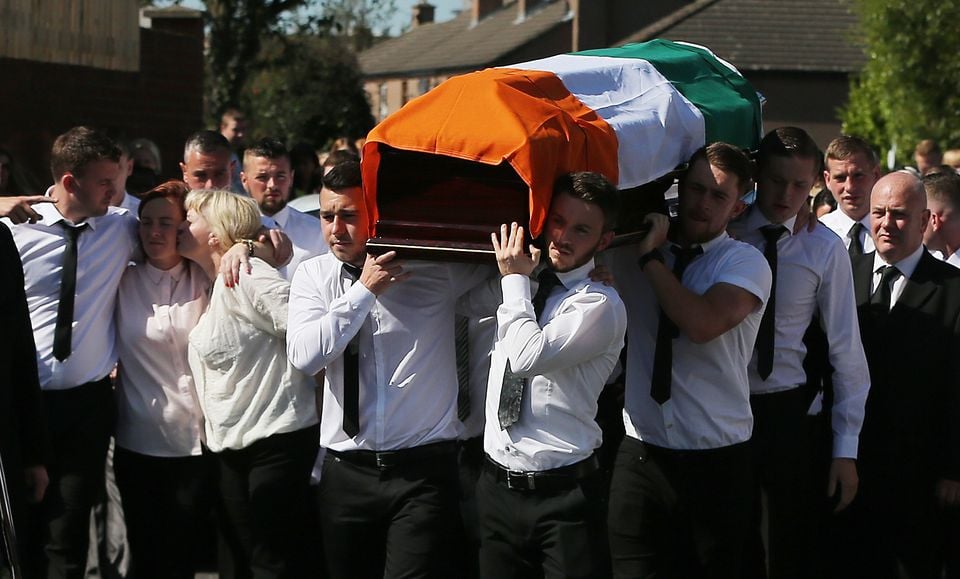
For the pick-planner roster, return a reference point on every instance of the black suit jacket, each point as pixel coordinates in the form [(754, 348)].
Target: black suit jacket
[(910, 432), (23, 434)]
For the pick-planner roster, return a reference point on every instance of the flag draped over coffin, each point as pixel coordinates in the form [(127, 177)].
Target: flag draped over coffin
[(632, 113)]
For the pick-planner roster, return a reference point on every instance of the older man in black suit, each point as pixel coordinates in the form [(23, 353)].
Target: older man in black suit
[(908, 304)]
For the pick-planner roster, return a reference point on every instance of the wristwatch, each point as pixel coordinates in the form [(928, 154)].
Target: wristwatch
[(646, 258)]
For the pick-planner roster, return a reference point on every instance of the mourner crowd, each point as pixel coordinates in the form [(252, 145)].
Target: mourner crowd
[(746, 392)]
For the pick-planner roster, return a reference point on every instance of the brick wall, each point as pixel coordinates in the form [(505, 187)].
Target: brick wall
[(162, 101)]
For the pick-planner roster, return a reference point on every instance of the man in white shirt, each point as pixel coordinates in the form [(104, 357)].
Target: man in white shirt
[(384, 332), (908, 303), (680, 501), (73, 259), (812, 277), (851, 169), (267, 177), (943, 200), (540, 498)]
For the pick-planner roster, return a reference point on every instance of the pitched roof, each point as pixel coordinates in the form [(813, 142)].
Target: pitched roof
[(455, 45), (797, 35)]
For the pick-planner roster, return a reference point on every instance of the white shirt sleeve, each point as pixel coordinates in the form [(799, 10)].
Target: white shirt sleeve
[(851, 377), (322, 323), (580, 330)]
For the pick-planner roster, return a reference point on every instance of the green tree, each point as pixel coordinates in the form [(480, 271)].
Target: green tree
[(908, 89), (308, 89)]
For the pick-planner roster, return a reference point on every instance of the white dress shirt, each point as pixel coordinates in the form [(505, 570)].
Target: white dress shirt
[(483, 334), (238, 354), (906, 267), (158, 413), (953, 259), (709, 405), (407, 361), (813, 273), (566, 363), (304, 233), (131, 204), (840, 223), (104, 249)]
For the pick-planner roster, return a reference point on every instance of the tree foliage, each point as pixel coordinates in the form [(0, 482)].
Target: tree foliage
[(909, 89), (309, 89)]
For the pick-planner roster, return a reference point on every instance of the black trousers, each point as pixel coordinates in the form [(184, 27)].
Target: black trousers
[(470, 459), (549, 534), (394, 521), (785, 474), (679, 514), (80, 421), (265, 506), (167, 502)]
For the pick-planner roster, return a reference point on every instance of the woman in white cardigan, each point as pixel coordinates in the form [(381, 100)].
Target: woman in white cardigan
[(260, 419)]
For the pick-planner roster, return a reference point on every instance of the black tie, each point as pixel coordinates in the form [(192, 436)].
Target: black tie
[(462, 342), (765, 338), (666, 332), (856, 246), (351, 373), (881, 297), (63, 334), (511, 392)]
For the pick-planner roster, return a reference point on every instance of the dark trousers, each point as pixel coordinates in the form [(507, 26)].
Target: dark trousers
[(782, 446), (265, 506), (390, 521), (80, 421), (551, 534), (167, 502), (470, 459), (679, 514)]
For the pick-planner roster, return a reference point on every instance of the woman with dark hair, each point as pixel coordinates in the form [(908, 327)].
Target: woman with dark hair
[(164, 480)]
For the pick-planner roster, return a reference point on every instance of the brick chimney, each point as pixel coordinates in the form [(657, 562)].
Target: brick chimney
[(422, 14), (480, 9)]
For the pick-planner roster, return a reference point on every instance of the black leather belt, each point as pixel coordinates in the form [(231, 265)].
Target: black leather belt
[(564, 477), (383, 459)]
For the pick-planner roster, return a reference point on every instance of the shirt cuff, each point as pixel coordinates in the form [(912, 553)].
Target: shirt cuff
[(515, 287), (359, 297), (845, 446)]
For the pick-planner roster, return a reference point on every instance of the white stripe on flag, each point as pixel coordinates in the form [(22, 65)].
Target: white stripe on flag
[(657, 127)]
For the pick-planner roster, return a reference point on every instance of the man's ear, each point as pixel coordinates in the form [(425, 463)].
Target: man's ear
[(738, 208), (605, 240), (69, 182), (183, 168)]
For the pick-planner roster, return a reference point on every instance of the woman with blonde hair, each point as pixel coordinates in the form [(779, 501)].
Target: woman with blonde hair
[(259, 411)]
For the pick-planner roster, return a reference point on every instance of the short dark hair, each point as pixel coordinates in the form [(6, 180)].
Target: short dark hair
[(173, 190), (267, 148), (340, 156), (846, 146), (727, 158), (592, 188), (789, 142), (206, 143), (343, 176), (944, 187), (74, 150)]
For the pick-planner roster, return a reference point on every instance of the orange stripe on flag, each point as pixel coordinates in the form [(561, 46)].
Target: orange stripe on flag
[(526, 118)]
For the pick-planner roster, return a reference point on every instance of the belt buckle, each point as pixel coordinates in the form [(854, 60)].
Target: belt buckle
[(383, 460), (521, 481)]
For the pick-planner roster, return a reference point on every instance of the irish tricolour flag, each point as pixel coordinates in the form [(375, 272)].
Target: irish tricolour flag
[(633, 113)]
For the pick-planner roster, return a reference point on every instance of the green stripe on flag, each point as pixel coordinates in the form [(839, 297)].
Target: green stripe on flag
[(730, 107)]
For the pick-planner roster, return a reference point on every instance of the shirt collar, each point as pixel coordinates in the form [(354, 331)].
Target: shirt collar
[(708, 245), (848, 222), (52, 216), (281, 217), (156, 275), (905, 265), (756, 219), (571, 278)]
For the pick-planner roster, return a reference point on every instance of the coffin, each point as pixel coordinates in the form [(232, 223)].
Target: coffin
[(482, 149)]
